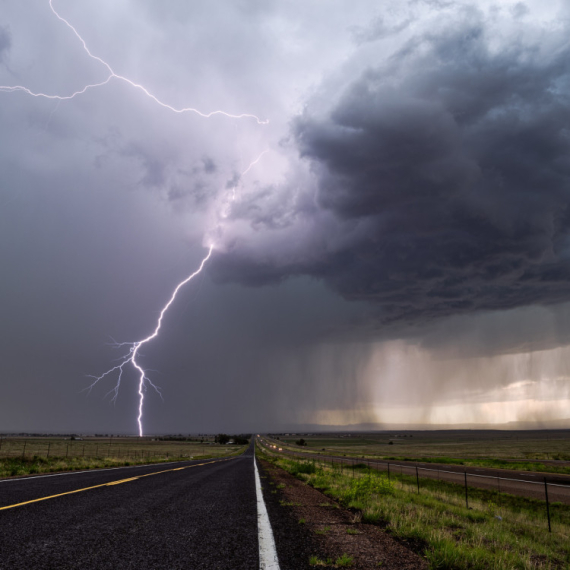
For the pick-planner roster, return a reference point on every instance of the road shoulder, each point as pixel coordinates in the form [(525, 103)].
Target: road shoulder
[(307, 524)]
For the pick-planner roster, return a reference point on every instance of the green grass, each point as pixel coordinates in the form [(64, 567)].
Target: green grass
[(485, 448), (344, 561), (316, 561), (437, 524), (489, 462), (36, 464)]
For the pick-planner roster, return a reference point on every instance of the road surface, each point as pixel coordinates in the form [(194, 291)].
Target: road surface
[(192, 515)]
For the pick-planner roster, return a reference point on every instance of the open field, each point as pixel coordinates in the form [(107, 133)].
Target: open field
[(547, 450), (497, 531), (29, 455)]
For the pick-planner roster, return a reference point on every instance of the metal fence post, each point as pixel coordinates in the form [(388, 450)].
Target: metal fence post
[(24, 450), (418, 479), (389, 471), (547, 504), (49, 445), (466, 498)]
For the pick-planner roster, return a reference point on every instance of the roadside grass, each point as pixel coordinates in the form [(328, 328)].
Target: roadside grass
[(490, 462), (344, 561), (496, 532), (19, 466), (485, 448)]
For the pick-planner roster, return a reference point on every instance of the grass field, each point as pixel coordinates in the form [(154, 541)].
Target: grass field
[(497, 532), (546, 450), (29, 455)]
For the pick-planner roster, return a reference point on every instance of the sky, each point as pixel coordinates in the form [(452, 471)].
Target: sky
[(384, 187)]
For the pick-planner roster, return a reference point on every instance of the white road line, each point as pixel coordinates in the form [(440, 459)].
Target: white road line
[(267, 553)]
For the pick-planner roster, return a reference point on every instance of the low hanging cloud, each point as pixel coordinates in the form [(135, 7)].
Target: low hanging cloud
[(438, 181)]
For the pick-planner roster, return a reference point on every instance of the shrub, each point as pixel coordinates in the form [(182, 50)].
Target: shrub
[(303, 467)]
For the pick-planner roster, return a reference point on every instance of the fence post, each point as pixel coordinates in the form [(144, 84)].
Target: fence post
[(49, 445), (67, 450), (24, 450), (418, 479), (499, 489), (353, 468), (466, 498), (83, 450), (389, 471), (547, 504)]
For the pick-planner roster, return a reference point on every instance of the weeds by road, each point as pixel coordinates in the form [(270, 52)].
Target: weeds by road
[(496, 532)]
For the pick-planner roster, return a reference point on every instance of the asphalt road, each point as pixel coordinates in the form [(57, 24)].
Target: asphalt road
[(192, 515)]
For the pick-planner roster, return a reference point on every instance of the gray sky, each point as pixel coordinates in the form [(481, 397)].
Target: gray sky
[(392, 246)]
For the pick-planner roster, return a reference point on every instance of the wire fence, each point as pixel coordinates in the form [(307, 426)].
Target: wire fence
[(30, 448), (413, 475)]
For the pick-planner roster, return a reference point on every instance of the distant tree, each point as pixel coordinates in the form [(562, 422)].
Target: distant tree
[(301, 442), (222, 438)]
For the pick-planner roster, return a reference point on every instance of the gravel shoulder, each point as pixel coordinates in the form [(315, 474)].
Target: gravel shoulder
[(307, 523)]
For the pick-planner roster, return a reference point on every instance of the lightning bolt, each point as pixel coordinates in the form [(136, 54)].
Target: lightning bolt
[(130, 357), (113, 75), (134, 347)]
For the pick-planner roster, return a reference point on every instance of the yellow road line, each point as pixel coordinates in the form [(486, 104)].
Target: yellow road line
[(111, 483), (121, 481)]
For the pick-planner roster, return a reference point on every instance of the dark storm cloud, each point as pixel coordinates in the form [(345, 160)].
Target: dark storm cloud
[(447, 171)]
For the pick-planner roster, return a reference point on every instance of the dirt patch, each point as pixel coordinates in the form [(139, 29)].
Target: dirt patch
[(336, 531)]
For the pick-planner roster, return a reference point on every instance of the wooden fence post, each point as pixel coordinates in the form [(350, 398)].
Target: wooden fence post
[(547, 504)]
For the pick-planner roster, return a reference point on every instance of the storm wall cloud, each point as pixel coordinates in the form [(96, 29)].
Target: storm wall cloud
[(449, 165)]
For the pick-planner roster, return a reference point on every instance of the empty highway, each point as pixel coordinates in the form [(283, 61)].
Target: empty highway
[(196, 514)]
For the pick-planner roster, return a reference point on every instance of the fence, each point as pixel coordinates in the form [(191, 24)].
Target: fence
[(59, 448), (543, 489)]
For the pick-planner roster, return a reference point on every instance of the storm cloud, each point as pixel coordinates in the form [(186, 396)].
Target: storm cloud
[(442, 180), (399, 226)]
